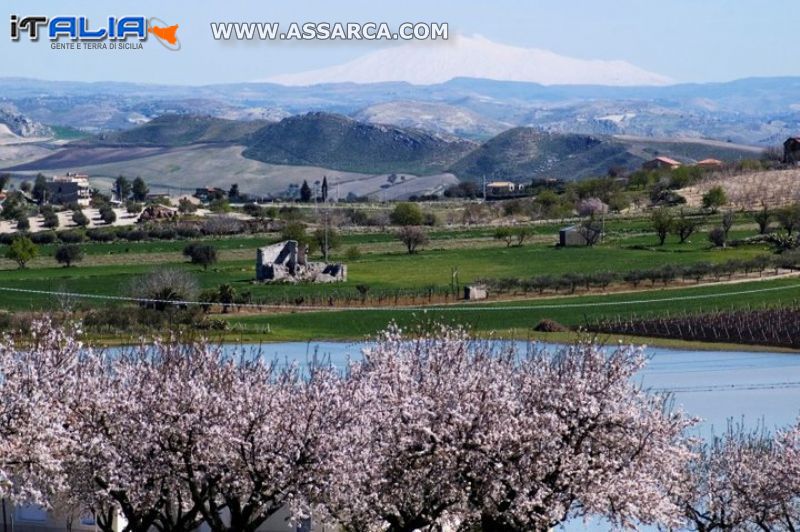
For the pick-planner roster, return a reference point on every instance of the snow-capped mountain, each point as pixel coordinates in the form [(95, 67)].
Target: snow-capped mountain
[(425, 63)]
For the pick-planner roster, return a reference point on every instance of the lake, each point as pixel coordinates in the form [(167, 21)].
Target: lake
[(716, 386)]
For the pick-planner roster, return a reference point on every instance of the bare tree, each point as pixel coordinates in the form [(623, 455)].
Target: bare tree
[(412, 236)]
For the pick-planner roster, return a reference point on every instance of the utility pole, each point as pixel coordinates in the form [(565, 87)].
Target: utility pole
[(484, 187)]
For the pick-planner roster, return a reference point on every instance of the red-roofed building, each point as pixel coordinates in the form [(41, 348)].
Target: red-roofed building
[(660, 163), (709, 163)]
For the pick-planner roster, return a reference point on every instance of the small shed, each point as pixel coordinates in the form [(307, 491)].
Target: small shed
[(791, 150), (571, 236), (709, 163), (475, 292)]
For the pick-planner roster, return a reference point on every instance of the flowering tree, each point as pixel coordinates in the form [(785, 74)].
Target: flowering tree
[(451, 430), (581, 439), (174, 434), (277, 427), (591, 207), (743, 480), (429, 431), (123, 419), (426, 405), (33, 377)]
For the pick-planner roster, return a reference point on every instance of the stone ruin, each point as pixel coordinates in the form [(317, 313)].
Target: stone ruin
[(157, 212), (288, 262)]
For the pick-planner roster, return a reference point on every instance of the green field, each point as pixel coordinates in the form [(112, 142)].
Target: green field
[(108, 269), (385, 270), (517, 318)]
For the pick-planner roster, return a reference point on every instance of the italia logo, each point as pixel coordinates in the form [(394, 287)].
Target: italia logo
[(80, 29)]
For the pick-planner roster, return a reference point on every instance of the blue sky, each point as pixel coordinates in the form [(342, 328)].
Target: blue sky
[(687, 40)]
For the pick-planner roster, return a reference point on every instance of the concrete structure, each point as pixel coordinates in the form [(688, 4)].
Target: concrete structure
[(501, 188), (571, 236), (288, 261), (661, 163), (475, 292), (791, 150), (71, 188)]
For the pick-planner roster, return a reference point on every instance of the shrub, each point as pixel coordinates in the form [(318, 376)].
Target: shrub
[(162, 232), (186, 206), (762, 218), (133, 235), (108, 215), (714, 198), (547, 325), (164, 285), (73, 236), (50, 219), (352, 253), (221, 225), (23, 224), (504, 233), (412, 237), (327, 239), (407, 214), (187, 231), (101, 235), (68, 254), (22, 250), (80, 219), (662, 222), (43, 237), (717, 237), (202, 254)]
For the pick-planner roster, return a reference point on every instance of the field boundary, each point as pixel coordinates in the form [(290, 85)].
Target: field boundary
[(417, 308)]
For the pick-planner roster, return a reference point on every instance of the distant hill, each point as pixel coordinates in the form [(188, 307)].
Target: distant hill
[(341, 143), (434, 117), (523, 153), (13, 124), (323, 142), (179, 130)]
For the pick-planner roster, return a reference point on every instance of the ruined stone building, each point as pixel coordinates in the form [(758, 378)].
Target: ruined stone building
[(288, 261)]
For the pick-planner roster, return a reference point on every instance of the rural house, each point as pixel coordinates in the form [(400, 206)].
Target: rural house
[(70, 188), (661, 163), (709, 163)]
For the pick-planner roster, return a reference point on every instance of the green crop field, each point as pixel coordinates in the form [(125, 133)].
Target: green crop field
[(519, 317), (109, 269)]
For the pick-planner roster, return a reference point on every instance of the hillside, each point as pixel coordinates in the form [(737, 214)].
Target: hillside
[(434, 117), (523, 153), (337, 142), (14, 125), (179, 130)]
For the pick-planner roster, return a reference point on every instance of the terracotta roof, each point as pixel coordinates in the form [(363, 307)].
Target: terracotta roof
[(667, 160), (709, 161)]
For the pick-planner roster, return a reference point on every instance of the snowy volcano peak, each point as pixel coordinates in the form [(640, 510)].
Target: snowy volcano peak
[(430, 62)]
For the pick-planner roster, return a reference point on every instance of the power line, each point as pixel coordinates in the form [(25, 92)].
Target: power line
[(730, 387), (433, 308)]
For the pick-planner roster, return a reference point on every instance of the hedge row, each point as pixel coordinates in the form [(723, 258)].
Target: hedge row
[(570, 282)]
